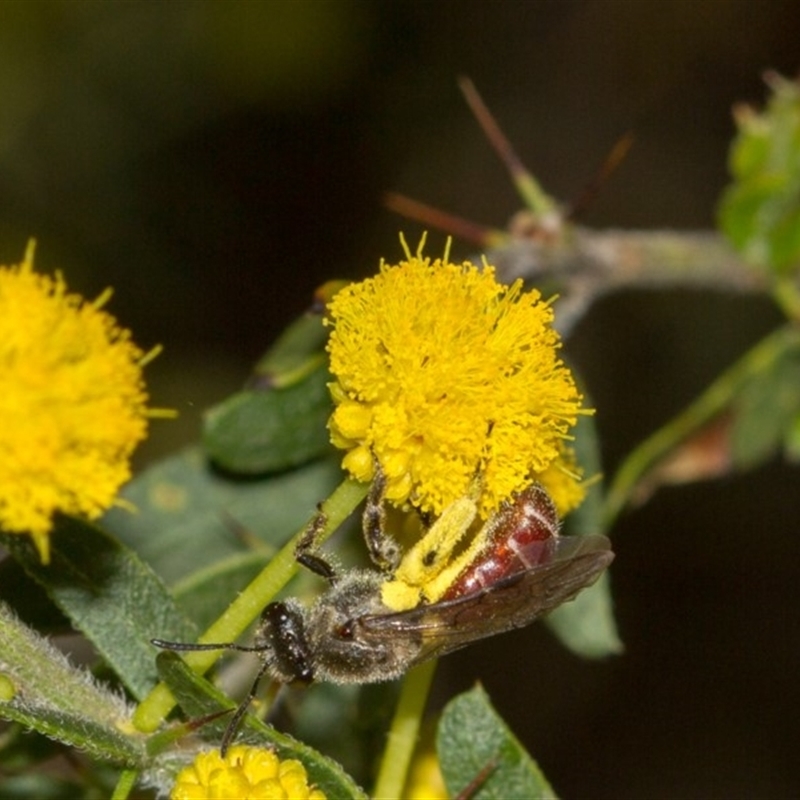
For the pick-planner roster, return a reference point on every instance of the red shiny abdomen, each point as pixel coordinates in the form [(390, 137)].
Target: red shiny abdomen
[(522, 534)]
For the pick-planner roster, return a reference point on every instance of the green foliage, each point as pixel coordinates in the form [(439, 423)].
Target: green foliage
[(279, 421), (40, 689), (586, 625), (760, 211), (215, 521), (189, 516), (755, 406), (766, 409), (110, 594), (199, 699), (256, 432), (475, 745)]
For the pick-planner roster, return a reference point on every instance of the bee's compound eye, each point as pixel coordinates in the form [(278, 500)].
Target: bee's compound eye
[(285, 632), (345, 630), (277, 615)]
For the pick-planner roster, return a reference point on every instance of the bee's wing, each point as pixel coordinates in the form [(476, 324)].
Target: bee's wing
[(512, 602)]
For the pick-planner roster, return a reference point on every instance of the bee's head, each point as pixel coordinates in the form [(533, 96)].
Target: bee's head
[(282, 636)]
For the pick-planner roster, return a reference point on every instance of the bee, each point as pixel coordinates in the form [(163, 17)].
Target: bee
[(519, 569)]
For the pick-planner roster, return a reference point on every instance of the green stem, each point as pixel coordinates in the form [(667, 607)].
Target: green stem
[(249, 604), (402, 738), (715, 399), (126, 782)]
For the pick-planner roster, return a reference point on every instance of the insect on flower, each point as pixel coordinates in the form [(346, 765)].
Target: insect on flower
[(519, 570)]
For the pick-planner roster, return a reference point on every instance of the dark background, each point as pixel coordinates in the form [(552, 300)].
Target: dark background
[(214, 162)]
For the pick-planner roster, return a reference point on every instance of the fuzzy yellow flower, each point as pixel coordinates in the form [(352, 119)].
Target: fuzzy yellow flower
[(444, 375), (72, 403), (562, 481), (244, 773)]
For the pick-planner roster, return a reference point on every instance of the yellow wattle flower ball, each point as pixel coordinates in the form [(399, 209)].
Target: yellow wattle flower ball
[(443, 376), (72, 403), (244, 773)]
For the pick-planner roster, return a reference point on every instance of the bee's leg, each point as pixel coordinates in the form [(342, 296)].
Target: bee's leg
[(383, 549), (434, 561), (307, 551), (233, 725)]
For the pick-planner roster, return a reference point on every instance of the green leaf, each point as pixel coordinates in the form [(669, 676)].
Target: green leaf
[(205, 594), (279, 420), (296, 353), (36, 609), (198, 698), (260, 431), (766, 408), (749, 156), (190, 517), (791, 442), (110, 595), (639, 471), (587, 518), (473, 741), (586, 625), (40, 689), (347, 722), (760, 211)]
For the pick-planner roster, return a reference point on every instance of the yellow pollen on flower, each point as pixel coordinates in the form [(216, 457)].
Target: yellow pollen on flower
[(563, 482), (444, 375), (245, 773), (72, 403)]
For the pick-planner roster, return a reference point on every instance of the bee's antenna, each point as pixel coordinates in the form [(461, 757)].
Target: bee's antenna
[(183, 646)]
